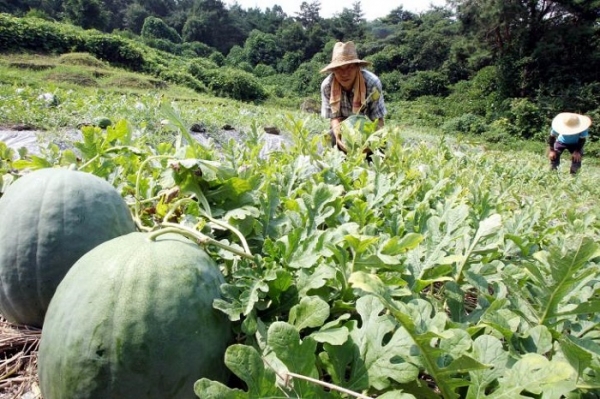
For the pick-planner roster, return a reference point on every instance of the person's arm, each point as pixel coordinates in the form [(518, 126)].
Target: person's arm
[(336, 127), (551, 152), (578, 151)]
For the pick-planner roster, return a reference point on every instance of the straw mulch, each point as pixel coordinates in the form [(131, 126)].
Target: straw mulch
[(18, 361)]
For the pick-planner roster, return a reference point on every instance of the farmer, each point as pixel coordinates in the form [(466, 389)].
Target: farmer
[(569, 132), (349, 89)]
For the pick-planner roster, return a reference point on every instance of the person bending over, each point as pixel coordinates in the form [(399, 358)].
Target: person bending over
[(569, 132), (348, 90)]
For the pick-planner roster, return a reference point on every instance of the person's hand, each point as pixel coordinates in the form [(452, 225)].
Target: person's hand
[(338, 140), (552, 155), (576, 156)]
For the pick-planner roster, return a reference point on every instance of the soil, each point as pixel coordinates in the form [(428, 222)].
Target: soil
[(22, 136), (18, 361)]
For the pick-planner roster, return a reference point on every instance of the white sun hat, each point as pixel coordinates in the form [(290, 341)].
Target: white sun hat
[(568, 123)]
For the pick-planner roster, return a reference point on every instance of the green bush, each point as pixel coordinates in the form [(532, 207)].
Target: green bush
[(199, 49), (84, 59), (163, 45), (156, 28), (115, 50), (244, 66), (198, 68), (236, 84), (528, 120), (262, 70), (467, 124), (391, 59), (217, 58), (424, 83), (478, 96), (306, 80), (34, 34), (184, 79), (391, 82), (500, 131)]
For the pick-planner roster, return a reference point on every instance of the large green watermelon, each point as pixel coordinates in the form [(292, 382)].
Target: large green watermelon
[(49, 218), (134, 319)]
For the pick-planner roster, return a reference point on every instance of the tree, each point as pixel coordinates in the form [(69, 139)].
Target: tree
[(89, 14), (292, 37), (213, 26), (262, 48), (155, 28), (536, 43), (309, 13), (399, 15), (134, 17), (349, 24), (158, 8), (196, 29)]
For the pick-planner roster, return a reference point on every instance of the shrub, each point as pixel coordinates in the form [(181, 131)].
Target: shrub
[(198, 68), (115, 50), (306, 80), (183, 78), (245, 66), (217, 58), (391, 82), (156, 28), (500, 131), (164, 45), (467, 123), (84, 59), (424, 83), (477, 96), (262, 70), (34, 34), (233, 83), (199, 49), (528, 120)]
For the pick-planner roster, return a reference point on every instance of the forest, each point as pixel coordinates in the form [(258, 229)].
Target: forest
[(496, 68)]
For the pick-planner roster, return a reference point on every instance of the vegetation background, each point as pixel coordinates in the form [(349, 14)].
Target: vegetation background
[(493, 68)]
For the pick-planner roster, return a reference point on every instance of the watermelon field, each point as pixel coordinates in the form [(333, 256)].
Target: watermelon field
[(440, 269)]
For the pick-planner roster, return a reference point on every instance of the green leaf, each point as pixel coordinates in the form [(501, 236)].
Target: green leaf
[(487, 227), (537, 339), (333, 336), (207, 389), (487, 350), (310, 312), (299, 357), (535, 374), (397, 245), (565, 270), (578, 357), (246, 363), (384, 355), (345, 365)]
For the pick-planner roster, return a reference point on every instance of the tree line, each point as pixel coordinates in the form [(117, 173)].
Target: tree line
[(543, 52)]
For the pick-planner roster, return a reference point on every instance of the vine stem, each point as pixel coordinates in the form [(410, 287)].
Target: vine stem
[(211, 219), (138, 182), (326, 385), (196, 235)]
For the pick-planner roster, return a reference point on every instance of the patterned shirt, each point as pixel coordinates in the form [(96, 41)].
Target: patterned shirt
[(571, 138), (375, 109)]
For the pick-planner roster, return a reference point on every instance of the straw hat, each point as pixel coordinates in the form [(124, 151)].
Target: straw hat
[(567, 123), (343, 54)]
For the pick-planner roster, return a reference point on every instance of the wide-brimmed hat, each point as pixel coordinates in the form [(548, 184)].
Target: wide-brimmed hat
[(568, 123), (343, 54)]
